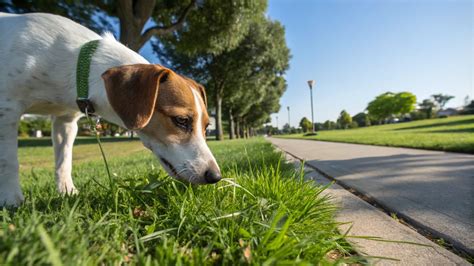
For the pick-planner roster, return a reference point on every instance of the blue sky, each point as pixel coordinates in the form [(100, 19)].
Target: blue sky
[(358, 49)]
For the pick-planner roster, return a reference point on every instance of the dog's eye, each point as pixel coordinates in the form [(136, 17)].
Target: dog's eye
[(182, 122)]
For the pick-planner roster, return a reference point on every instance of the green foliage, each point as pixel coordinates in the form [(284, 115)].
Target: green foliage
[(404, 103), (418, 115), (468, 109), (27, 127), (441, 99), (216, 26), (362, 119), (208, 26), (353, 124), (79, 11), (428, 107), (389, 104), (305, 124), (329, 125), (264, 212), (454, 134), (344, 119)]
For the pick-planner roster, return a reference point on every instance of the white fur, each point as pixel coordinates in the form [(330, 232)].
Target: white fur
[(38, 55), (191, 160)]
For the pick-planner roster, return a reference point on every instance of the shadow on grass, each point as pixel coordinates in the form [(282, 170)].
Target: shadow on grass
[(451, 123), (45, 142), (459, 130)]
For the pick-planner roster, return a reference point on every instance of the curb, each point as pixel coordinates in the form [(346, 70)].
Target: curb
[(369, 218)]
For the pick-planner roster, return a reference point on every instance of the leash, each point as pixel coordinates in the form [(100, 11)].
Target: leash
[(83, 101)]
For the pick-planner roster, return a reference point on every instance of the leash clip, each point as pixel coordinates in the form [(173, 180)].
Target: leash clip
[(85, 105)]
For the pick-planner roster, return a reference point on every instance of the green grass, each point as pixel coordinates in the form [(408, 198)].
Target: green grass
[(454, 134), (263, 212)]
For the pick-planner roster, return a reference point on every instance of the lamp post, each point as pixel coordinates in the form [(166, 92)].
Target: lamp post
[(288, 108), (277, 123), (310, 84)]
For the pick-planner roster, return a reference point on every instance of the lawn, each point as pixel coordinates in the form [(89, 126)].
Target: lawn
[(262, 212), (454, 134)]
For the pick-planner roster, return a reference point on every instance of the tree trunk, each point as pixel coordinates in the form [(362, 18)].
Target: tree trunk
[(237, 128), (219, 133), (231, 125), (133, 16)]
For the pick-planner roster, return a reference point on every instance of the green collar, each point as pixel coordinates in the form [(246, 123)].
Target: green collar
[(82, 76)]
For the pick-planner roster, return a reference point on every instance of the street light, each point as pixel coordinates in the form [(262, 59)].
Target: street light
[(310, 84), (277, 122), (288, 108)]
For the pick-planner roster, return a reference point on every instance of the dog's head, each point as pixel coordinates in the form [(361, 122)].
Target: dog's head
[(169, 113)]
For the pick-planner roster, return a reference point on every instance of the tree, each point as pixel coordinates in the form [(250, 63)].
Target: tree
[(427, 107), (404, 103), (468, 109), (344, 119), (329, 125), (388, 104), (362, 119), (305, 124), (140, 20), (353, 124), (441, 99), (259, 63)]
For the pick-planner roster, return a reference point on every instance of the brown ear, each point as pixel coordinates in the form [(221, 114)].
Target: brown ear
[(132, 91)]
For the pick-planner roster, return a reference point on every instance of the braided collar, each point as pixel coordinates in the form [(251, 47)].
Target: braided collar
[(82, 76)]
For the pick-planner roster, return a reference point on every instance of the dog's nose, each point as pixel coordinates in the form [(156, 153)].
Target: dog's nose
[(212, 176)]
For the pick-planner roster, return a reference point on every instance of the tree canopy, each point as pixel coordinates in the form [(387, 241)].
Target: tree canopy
[(362, 119), (388, 104), (305, 124), (195, 25), (442, 99), (344, 119)]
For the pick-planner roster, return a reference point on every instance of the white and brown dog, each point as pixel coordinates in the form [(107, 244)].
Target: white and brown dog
[(38, 55)]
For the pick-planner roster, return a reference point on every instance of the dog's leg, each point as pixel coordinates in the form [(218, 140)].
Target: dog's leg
[(63, 135), (10, 191)]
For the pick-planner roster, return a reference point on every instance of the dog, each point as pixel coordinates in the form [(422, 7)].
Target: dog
[(38, 55)]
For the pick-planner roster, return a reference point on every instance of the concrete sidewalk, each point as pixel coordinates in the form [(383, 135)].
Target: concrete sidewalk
[(364, 219), (434, 190)]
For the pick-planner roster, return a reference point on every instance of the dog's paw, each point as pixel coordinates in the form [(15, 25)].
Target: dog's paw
[(11, 198), (67, 190)]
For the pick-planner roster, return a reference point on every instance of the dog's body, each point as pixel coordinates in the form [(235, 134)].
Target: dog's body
[(38, 55)]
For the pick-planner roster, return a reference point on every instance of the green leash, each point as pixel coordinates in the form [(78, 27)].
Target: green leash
[(83, 102)]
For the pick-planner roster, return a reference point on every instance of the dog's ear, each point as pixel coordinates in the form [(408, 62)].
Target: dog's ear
[(132, 91)]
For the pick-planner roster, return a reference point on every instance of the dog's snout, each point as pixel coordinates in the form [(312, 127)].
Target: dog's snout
[(212, 176)]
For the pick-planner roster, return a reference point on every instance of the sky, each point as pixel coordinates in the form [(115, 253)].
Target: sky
[(358, 49)]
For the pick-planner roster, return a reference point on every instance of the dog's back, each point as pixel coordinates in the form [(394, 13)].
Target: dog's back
[(33, 43)]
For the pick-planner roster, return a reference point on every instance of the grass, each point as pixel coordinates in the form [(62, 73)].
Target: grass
[(455, 134), (262, 213)]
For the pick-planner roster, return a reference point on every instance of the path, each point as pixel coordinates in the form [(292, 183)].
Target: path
[(435, 190)]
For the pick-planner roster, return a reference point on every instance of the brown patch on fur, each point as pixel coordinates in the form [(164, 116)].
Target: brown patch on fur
[(149, 97), (175, 98), (199, 87), (202, 91), (132, 91)]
